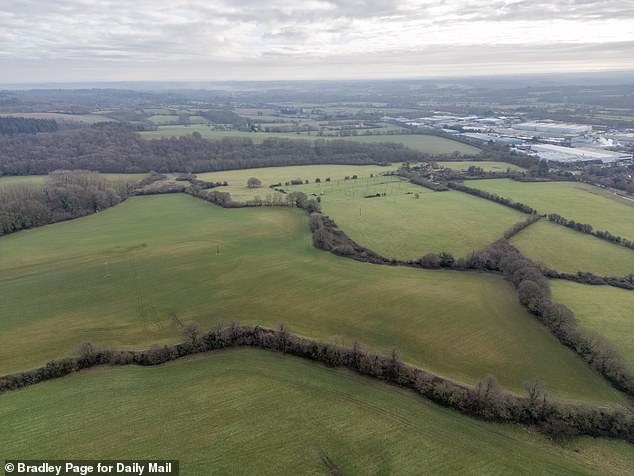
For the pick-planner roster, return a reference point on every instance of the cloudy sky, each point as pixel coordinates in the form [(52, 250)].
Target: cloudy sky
[(91, 40)]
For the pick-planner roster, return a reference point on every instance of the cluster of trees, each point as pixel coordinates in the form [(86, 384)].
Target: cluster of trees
[(157, 184), (112, 148), (254, 182), (586, 228), (328, 237), (23, 125), (493, 197), (617, 176), (423, 181), (223, 199), (502, 153), (64, 195), (485, 400), (443, 259)]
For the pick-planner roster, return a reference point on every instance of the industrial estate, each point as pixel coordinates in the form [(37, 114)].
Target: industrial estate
[(547, 139)]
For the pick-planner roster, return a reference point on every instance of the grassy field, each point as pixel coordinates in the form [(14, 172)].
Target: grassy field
[(423, 143), (164, 118), (130, 275), (437, 221), (569, 251), (575, 201), (253, 412), (237, 179), (486, 165), (40, 179), (209, 133), (606, 310)]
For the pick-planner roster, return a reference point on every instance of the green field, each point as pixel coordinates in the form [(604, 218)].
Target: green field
[(402, 226), (604, 309), (163, 118), (129, 275), (423, 143), (486, 165), (210, 133), (575, 201), (253, 412), (40, 179), (237, 179), (568, 251)]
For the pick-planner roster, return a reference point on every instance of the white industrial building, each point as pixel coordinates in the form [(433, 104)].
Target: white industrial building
[(551, 127), (558, 153)]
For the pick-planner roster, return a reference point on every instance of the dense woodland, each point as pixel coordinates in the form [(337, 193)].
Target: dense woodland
[(63, 196), (23, 125), (117, 149)]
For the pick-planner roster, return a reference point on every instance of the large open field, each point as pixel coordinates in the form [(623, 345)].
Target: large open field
[(237, 179), (606, 310), (399, 225), (486, 165), (253, 412), (569, 251), (423, 143), (129, 275), (576, 201)]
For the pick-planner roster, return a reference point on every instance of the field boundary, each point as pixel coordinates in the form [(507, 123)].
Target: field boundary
[(552, 217), (486, 401)]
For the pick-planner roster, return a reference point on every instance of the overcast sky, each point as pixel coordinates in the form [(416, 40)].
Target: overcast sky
[(92, 40)]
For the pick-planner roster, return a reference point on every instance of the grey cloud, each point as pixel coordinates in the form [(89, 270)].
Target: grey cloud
[(282, 34), (548, 10)]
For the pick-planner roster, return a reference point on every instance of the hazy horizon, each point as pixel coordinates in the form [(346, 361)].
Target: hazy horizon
[(191, 40)]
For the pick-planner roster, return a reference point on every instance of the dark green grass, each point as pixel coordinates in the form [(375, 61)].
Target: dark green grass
[(131, 275), (253, 412)]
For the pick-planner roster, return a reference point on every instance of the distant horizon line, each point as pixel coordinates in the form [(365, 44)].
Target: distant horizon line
[(330, 80)]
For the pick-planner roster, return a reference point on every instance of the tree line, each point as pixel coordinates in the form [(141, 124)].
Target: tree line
[(493, 197), (586, 228), (486, 400), (581, 277), (117, 149), (64, 195)]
